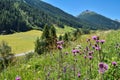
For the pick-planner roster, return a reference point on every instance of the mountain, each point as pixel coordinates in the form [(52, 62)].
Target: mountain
[(95, 21), (24, 15)]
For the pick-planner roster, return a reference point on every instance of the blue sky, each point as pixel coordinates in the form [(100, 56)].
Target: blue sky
[(108, 8)]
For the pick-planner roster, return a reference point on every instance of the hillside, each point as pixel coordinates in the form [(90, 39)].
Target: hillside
[(19, 15), (95, 21)]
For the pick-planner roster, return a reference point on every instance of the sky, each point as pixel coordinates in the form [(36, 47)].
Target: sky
[(108, 8)]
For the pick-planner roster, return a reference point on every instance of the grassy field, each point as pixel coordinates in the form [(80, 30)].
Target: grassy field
[(72, 67), (21, 42), (24, 41)]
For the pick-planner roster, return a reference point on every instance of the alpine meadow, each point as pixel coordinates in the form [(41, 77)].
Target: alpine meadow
[(46, 40)]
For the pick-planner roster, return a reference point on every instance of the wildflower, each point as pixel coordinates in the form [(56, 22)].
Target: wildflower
[(95, 37), (17, 78), (114, 63), (90, 53), (102, 67), (74, 51), (60, 42), (97, 41), (102, 41), (59, 47), (90, 57), (79, 75), (97, 48)]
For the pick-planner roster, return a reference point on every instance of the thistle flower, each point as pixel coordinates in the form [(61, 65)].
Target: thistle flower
[(97, 41), (98, 48), (17, 78), (74, 51), (102, 41), (90, 53), (60, 42), (90, 57), (59, 47), (102, 67), (114, 63), (78, 74), (95, 37)]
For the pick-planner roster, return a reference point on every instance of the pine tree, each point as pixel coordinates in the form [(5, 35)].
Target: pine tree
[(48, 40), (53, 37)]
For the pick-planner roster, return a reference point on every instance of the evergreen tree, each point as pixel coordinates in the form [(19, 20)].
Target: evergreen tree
[(53, 37), (47, 41), (66, 37)]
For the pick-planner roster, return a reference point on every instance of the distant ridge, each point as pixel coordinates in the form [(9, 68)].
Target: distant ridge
[(93, 20)]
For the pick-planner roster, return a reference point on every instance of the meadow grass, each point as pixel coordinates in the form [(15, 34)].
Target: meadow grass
[(46, 66), (24, 41), (21, 42)]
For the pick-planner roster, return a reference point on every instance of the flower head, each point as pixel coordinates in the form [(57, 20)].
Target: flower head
[(95, 37), (114, 63), (78, 75), (102, 67), (60, 42), (98, 48), (17, 78), (102, 41), (59, 47), (90, 57)]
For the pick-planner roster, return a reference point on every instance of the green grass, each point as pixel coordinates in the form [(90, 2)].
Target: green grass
[(38, 67), (24, 41), (61, 31), (21, 42)]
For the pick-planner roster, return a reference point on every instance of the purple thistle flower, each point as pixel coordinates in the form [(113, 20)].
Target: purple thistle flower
[(114, 63), (97, 41), (60, 42), (79, 75), (17, 78), (59, 47), (90, 53), (97, 48), (102, 41), (77, 51), (105, 66), (95, 37), (102, 67), (90, 57)]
